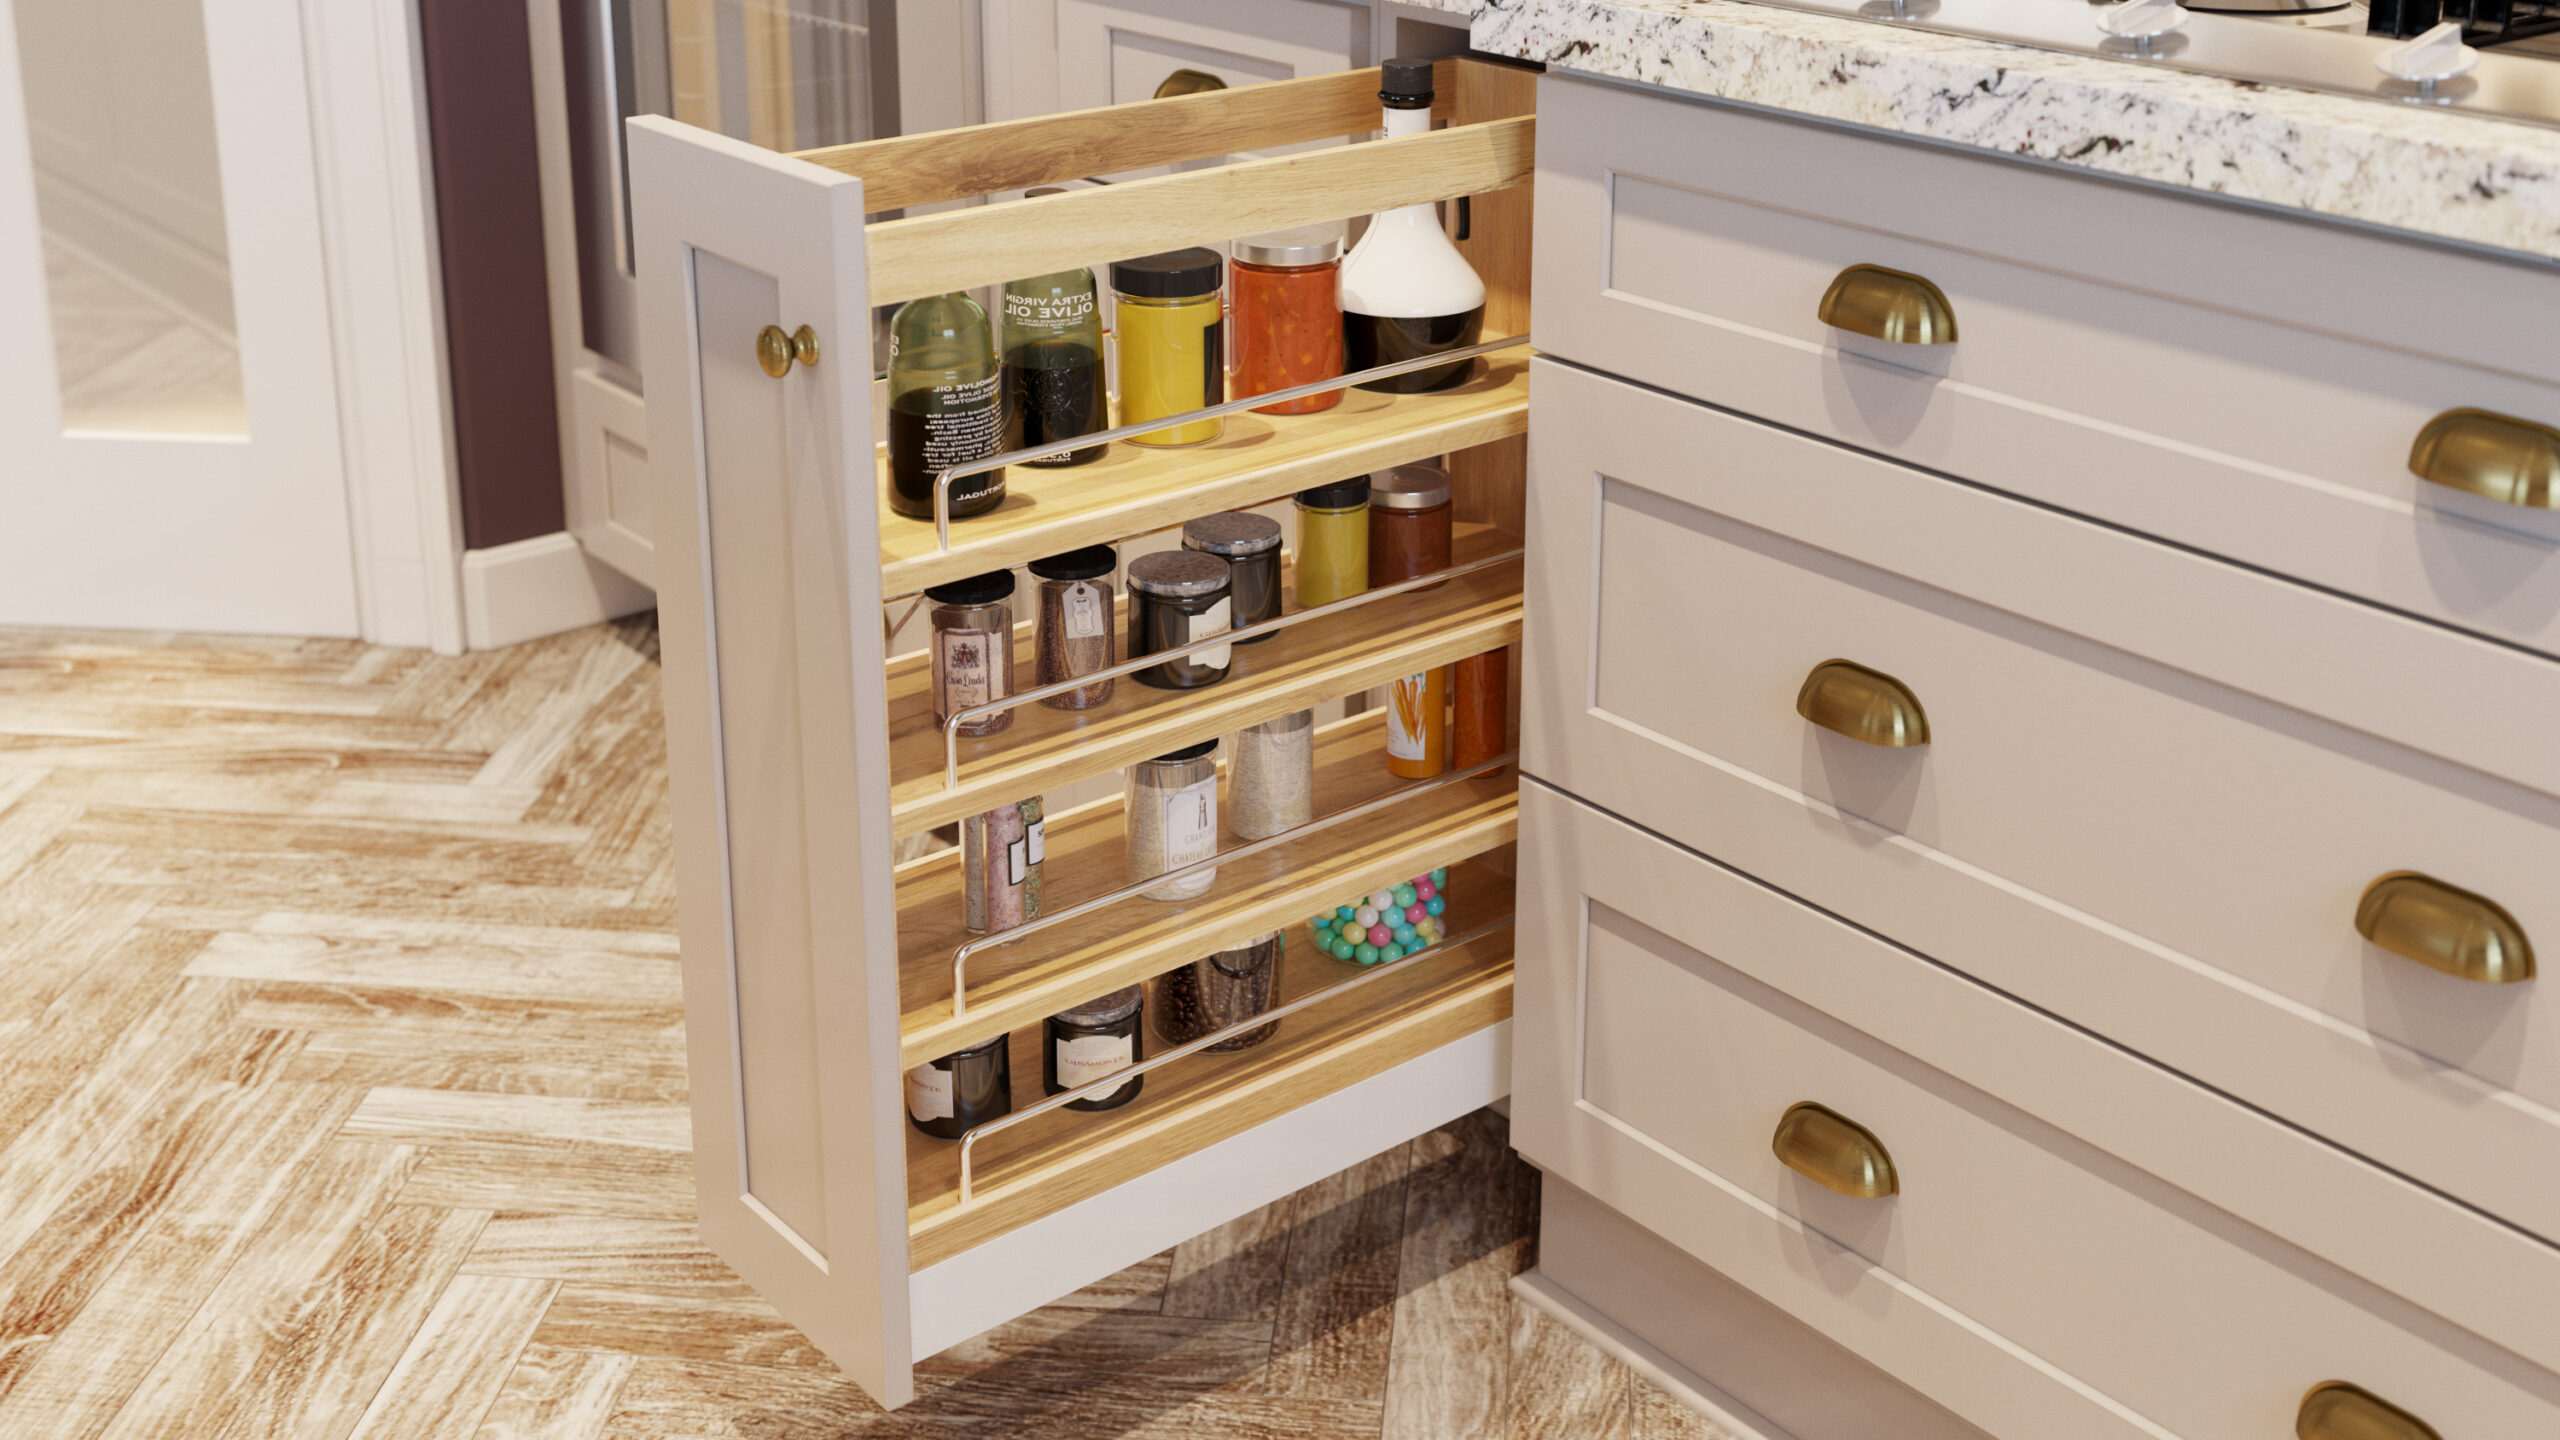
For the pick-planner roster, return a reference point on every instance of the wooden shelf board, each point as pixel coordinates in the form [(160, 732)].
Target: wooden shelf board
[(1133, 490), (1016, 987), (1292, 670), (1045, 1165)]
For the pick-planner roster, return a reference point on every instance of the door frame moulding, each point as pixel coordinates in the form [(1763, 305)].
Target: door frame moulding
[(386, 318)]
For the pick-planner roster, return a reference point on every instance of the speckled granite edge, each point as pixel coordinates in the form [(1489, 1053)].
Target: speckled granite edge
[(2461, 177)]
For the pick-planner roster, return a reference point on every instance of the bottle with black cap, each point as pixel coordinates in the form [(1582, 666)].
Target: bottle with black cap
[(1052, 348), (1406, 291)]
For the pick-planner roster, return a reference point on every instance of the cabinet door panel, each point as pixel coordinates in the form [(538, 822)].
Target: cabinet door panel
[(767, 541)]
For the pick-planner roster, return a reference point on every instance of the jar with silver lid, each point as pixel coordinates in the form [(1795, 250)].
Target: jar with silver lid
[(949, 1097), (973, 648), (1250, 544), (1216, 991), (1091, 1041), (1176, 597), (1172, 811)]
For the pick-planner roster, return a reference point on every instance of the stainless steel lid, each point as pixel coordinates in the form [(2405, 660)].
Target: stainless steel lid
[(1409, 487), (1179, 574), (1103, 1009), (1232, 532), (1304, 245)]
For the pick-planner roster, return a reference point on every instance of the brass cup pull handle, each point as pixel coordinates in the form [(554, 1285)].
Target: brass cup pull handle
[(2496, 456), (2445, 927), (775, 350), (1188, 82), (1889, 305), (1866, 705), (2337, 1410), (1834, 1152)]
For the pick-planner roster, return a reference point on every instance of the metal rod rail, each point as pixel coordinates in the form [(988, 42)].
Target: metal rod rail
[(1117, 1078), (1398, 796), (1238, 636), (943, 478)]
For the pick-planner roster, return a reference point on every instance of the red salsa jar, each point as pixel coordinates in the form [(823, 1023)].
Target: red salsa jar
[(1286, 316)]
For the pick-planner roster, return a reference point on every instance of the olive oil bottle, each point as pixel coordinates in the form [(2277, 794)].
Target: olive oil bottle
[(946, 405)]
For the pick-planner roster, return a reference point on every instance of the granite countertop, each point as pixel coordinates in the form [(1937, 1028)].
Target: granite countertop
[(2461, 177)]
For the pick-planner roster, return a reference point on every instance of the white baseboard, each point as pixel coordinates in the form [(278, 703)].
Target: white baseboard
[(542, 586), (1666, 1374)]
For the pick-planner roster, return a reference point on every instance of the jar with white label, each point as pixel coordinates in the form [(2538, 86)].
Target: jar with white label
[(1091, 1041), (973, 648), (1000, 855), (1176, 597), (949, 1097), (1172, 811), (1074, 633)]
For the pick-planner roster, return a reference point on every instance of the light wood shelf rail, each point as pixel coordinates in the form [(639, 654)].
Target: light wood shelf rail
[(1294, 669), (1056, 1160), (1133, 490), (1010, 988)]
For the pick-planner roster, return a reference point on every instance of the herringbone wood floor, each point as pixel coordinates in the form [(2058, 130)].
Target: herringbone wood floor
[(342, 1095)]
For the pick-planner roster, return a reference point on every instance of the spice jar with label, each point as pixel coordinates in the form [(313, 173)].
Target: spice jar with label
[(1410, 533), (1250, 544), (1333, 542), (1176, 597), (949, 1097), (1000, 854), (1288, 319), (1271, 776), (1091, 1041), (1172, 343), (1386, 924), (1217, 991), (973, 648), (1074, 634), (1172, 811)]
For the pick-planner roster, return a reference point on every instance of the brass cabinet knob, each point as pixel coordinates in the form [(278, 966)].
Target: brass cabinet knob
[(1889, 305), (2497, 456), (2444, 927), (1834, 1152), (1188, 82), (1866, 705), (2340, 1411), (775, 350)]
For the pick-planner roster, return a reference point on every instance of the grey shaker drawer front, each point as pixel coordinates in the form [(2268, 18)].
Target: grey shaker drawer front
[(2111, 820), (2214, 390), (2036, 1280)]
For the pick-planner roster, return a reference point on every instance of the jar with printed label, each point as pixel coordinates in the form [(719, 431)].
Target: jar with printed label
[(1175, 598), (949, 1097), (1217, 991), (973, 648), (1091, 1041), (1172, 811), (1000, 854), (1074, 634), (1410, 535), (1250, 544)]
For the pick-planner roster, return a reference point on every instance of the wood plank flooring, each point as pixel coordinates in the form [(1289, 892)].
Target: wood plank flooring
[(342, 1098)]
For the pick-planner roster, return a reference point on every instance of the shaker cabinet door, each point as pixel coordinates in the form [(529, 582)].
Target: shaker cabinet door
[(763, 502)]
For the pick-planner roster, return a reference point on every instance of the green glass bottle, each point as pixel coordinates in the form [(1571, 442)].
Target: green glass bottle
[(946, 405), (1053, 365)]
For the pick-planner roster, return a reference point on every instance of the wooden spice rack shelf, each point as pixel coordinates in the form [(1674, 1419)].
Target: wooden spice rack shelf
[(1013, 987), (1132, 490), (816, 969), (1066, 1156), (1294, 669)]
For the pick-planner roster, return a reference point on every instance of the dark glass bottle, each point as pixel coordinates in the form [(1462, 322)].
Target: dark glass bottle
[(1052, 346), (946, 405)]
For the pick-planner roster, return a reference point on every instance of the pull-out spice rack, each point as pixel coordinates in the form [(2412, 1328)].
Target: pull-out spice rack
[(817, 969)]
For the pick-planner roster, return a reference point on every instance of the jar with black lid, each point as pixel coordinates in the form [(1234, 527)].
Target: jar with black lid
[(1176, 597), (1074, 634), (1333, 542), (1217, 991), (949, 1097), (973, 648), (1091, 1041), (1250, 544)]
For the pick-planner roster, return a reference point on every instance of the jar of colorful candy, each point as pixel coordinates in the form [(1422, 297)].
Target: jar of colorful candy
[(1386, 924)]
